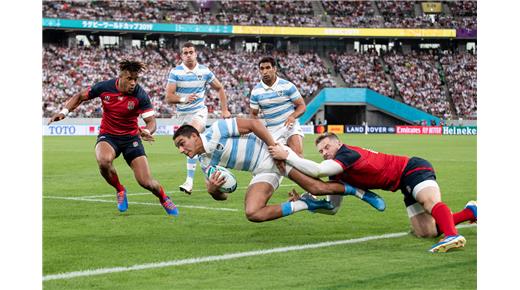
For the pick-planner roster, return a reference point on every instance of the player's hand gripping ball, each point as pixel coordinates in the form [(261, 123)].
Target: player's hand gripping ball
[(231, 182)]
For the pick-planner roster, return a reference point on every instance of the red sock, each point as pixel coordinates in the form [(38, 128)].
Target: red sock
[(463, 216), (444, 219), (115, 183), (162, 195)]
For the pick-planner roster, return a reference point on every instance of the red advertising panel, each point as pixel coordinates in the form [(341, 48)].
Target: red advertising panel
[(422, 130)]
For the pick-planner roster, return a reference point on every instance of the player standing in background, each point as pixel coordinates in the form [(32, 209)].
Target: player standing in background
[(368, 169), (186, 88), (123, 100), (241, 144), (281, 103)]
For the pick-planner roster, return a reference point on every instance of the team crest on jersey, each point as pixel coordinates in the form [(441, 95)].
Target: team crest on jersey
[(107, 98), (280, 93), (199, 77), (220, 147), (131, 105)]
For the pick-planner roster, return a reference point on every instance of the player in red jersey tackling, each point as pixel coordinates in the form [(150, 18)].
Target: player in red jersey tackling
[(123, 100), (368, 169)]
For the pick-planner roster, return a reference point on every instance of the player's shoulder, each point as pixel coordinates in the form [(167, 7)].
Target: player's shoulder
[(204, 69), (258, 89), (285, 83), (105, 86), (139, 92), (177, 69)]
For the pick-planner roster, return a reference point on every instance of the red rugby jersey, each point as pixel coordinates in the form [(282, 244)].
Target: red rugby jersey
[(368, 169), (120, 111)]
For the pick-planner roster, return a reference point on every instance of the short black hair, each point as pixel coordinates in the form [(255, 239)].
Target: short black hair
[(268, 59), (132, 66), (185, 130), (188, 44)]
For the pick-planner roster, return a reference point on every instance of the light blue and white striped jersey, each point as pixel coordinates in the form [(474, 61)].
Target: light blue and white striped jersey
[(189, 82), (275, 102), (225, 146)]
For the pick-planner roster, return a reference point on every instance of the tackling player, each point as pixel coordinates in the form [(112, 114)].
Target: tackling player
[(186, 88), (368, 169), (242, 144), (123, 100)]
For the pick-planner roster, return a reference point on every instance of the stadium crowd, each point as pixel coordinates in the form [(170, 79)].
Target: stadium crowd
[(362, 70), (416, 76), (67, 70), (397, 14), (461, 74)]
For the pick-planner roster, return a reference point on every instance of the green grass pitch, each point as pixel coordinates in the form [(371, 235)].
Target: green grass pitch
[(90, 233)]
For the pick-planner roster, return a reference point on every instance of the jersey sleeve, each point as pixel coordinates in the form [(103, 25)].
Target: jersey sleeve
[(145, 104), (210, 77), (95, 90), (253, 101), (172, 77), (346, 157), (293, 93)]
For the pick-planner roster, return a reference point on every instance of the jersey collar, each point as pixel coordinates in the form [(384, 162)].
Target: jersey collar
[(266, 87), (196, 68)]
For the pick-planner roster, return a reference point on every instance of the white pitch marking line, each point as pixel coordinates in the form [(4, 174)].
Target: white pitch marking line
[(147, 193), (230, 256), (143, 203)]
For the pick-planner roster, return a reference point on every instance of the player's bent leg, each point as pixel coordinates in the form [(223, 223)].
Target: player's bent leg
[(105, 155), (255, 203), (423, 225), (428, 194), (144, 177)]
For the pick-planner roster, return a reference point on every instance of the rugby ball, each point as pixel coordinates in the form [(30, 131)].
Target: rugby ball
[(231, 181)]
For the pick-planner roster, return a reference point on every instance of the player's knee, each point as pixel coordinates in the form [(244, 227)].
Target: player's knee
[(254, 216), (425, 232), (104, 163)]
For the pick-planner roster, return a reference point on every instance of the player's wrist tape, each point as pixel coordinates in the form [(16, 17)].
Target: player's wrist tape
[(146, 130), (183, 99), (65, 111)]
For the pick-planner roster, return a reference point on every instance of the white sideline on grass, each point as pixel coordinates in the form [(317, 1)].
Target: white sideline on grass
[(230, 256), (133, 202)]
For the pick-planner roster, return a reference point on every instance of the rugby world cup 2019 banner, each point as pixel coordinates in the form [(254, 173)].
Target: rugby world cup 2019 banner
[(423, 130), (92, 130)]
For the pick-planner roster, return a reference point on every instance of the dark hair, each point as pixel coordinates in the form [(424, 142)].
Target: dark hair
[(186, 131), (324, 136), (188, 44), (268, 59), (131, 66)]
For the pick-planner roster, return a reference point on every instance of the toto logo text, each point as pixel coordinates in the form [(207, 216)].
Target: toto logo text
[(62, 130)]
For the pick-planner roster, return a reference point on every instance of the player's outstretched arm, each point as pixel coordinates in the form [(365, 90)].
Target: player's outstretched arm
[(71, 104), (256, 126), (308, 167), (216, 85)]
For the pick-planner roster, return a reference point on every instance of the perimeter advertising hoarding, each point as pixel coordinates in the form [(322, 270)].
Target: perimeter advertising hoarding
[(423, 130), (345, 32), (371, 129), (92, 130)]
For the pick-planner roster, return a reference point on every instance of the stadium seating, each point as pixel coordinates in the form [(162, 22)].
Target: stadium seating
[(397, 14)]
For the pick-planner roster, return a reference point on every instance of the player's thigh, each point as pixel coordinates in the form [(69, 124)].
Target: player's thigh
[(257, 196), (295, 142), (428, 195), (105, 153)]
